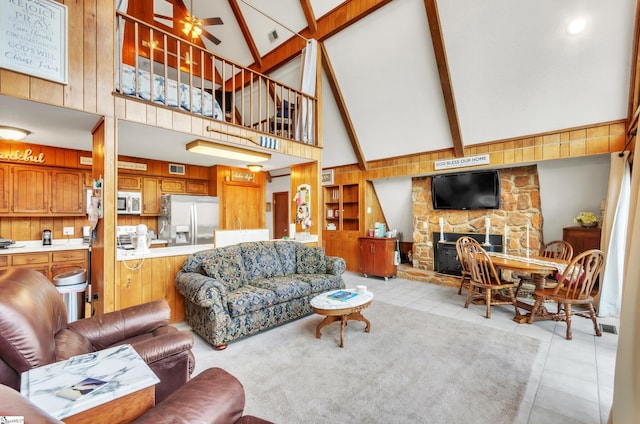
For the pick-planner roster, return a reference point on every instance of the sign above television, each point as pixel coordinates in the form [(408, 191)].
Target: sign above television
[(461, 162)]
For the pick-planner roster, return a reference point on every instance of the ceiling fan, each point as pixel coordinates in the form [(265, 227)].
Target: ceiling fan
[(192, 26)]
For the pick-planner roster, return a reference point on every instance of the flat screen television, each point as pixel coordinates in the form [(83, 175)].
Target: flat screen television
[(466, 190)]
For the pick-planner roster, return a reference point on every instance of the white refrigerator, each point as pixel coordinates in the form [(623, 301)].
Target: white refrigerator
[(188, 219)]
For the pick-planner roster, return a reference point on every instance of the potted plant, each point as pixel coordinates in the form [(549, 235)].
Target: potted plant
[(587, 219)]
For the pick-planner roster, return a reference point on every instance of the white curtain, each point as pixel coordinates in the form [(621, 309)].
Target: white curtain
[(308, 72), (614, 235), (626, 389)]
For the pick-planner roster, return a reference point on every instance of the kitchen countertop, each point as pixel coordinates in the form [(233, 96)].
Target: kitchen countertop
[(160, 252), (35, 246)]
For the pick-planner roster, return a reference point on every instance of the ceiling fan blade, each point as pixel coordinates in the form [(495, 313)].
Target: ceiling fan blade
[(211, 21), (210, 36)]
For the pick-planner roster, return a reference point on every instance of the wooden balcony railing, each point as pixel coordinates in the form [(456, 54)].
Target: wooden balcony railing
[(158, 67)]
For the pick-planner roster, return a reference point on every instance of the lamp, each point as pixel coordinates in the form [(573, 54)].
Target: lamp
[(13, 133), (254, 167), (228, 152)]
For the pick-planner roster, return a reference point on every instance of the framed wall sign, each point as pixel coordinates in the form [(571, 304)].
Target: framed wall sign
[(33, 38), (327, 177), (242, 176)]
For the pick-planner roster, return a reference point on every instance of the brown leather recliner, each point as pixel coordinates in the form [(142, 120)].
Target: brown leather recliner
[(34, 332), (213, 396)]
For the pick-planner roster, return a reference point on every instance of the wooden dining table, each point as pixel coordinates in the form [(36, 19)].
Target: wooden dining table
[(538, 267)]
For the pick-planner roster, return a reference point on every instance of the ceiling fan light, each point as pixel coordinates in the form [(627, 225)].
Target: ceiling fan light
[(187, 28), (197, 30)]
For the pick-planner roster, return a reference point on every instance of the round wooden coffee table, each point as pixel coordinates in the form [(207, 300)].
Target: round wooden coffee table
[(341, 310)]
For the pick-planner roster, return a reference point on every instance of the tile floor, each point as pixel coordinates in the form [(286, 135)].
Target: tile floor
[(571, 381)]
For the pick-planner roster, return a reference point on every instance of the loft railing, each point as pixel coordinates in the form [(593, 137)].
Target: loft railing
[(158, 67)]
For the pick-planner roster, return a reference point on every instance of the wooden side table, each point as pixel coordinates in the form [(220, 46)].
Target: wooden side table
[(128, 394), (582, 238)]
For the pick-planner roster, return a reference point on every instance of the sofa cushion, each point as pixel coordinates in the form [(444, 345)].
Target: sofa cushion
[(261, 260), (248, 299), (285, 288), (226, 265), (320, 283), (193, 263), (287, 253), (310, 260)]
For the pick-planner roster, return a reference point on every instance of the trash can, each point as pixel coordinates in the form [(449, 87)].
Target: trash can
[(71, 286)]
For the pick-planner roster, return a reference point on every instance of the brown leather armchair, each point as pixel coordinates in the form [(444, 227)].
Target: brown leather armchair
[(34, 332), (213, 396)]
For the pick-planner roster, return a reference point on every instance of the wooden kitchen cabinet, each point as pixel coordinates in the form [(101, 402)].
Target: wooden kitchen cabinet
[(68, 260), (67, 192), (151, 196), (172, 186), (582, 238), (30, 190), (4, 188), (199, 187), (129, 182), (48, 264), (377, 256)]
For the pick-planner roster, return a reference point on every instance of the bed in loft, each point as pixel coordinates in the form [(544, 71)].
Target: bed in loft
[(200, 102)]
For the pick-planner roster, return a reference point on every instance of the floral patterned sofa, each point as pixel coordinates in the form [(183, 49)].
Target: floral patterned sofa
[(238, 290)]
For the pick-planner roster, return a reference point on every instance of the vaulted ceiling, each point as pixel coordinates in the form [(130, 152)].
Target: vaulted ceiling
[(409, 76)]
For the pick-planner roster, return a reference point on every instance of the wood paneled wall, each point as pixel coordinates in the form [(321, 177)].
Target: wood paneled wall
[(595, 139)]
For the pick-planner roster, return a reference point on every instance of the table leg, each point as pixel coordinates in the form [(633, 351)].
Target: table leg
[(326, 321)]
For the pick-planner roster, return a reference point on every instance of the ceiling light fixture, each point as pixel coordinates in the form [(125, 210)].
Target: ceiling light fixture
[(254, 167), (576, 26), (13, 133), (228, 152)]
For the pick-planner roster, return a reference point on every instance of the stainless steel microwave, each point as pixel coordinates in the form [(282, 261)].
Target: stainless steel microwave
[(129, 203)]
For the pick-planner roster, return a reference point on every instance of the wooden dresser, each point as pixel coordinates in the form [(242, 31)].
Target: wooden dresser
[(582, 238)]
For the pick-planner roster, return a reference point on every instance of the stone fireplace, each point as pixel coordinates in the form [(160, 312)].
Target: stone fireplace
[(519, 206)]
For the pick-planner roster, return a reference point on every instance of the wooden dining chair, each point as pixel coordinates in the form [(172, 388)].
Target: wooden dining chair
[(557, 249), (464, 260), (484, 277), (575, 287)]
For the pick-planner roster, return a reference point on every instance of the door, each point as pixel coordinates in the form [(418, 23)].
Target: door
[(280, 214)]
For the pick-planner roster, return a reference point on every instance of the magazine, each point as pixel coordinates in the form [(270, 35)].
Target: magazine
[(81, 388), (342, 295)]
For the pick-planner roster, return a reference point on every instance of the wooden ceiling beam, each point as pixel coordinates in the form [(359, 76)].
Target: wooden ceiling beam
[(437, 40), (331, 23), (342, 107), (244, 28), (312, 24)]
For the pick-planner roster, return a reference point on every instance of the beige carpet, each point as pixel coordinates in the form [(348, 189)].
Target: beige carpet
[(414, 367)]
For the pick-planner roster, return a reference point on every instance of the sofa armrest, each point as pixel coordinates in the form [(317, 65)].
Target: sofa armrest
[(200, 289), (213, 396), (158, 348), (335, 265), (108, 329)]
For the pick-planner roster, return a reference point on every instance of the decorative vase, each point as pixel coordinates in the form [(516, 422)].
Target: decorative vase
[(590, 224)]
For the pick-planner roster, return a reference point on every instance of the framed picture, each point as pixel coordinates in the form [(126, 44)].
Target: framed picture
[(33, 39), (327, 176)]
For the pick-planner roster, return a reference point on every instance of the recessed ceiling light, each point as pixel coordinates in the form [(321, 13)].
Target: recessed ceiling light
[(576, 26), (13, 133)]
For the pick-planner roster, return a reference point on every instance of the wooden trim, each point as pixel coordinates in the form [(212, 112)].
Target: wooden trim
[(246, 33), (307, 9), (437, 40), (342, 107)]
